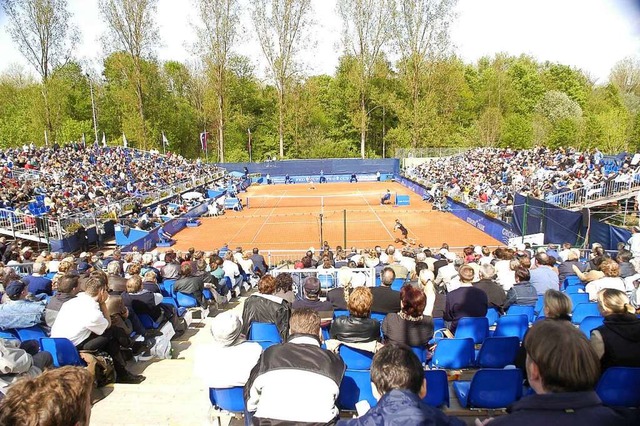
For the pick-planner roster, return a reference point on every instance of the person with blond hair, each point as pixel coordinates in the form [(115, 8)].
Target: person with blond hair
[(611, 279), (358, 327), (617, 341)]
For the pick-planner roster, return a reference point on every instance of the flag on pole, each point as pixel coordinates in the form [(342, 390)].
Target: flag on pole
[(124, 141), (203, 140), (165, 141), (104, 140)]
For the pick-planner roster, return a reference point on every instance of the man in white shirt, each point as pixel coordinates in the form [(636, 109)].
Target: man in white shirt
[(86, 322), (634, 241)]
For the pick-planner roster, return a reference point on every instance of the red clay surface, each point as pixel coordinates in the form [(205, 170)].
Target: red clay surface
[(281, 223)]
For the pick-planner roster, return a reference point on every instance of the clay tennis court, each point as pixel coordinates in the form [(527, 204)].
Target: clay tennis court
[(287, 217)]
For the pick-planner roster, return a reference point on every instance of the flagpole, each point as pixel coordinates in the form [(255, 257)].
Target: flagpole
[(164, 150)]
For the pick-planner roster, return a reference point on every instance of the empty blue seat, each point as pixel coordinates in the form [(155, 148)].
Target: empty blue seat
[(355, 386), (438, 323), (9, 335), (62, 350), (590, 323), (492, 316), (454, 353), (584, 310), (475, 328), (397, 284), (148, 322), (578, 298), (620, 387), (571, 280), (166, 287), (529, 311), (490, 388), (355, 359), (511, 325), (30, 333), (572, 289), (437, 388), (266, 334), (229, 399), (538, 309), (498, 352)]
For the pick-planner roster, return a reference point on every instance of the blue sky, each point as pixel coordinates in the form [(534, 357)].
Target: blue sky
[(588, 34)]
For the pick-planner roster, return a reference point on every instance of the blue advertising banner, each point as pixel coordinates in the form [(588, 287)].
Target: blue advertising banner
[(495, 228)]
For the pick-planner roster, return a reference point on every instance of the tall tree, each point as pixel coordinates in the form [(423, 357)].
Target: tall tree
[(365, 31), (217, 35), (280, 26), (42, 31), (132, 28), (421, 33)]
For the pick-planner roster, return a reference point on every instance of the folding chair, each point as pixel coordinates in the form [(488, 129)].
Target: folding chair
[(62, 350), (490, 388), (475, 328), (620, 387), (498, 352)]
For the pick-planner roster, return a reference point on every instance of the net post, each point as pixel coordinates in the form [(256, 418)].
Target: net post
[(396, 202), (247, 202)]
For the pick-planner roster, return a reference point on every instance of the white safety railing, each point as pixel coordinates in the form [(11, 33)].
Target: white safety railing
[(592, 193)]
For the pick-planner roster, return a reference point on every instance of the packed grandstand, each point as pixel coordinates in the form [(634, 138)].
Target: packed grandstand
[(474, 318)]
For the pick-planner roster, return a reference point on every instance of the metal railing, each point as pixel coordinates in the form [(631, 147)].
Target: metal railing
[(592, 193)]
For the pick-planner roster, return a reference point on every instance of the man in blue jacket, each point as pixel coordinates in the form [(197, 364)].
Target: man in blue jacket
[(399, 385)]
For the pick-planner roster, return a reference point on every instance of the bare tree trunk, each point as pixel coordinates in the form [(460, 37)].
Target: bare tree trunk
[(220, 125), (363, 125), (281, 120)]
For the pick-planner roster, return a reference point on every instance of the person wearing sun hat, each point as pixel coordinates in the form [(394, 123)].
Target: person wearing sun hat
[(227, 343), (18, 312)]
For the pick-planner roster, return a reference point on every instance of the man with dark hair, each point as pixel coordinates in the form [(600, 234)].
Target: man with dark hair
[(258, 262), (386, 300), (85, 320), (296, 382), (311, 300), (67, 290), (398, 383), (563, 370)]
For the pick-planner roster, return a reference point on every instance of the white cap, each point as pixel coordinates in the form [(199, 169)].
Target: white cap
[(226, 328)]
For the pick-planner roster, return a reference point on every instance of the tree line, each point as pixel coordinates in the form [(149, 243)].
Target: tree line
[(371, 105)]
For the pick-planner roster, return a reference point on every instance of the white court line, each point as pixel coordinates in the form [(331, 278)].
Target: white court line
[(376, 214), (267, 218)]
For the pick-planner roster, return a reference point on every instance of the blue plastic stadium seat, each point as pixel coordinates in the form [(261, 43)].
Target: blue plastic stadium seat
[(266, 334), (378, 316), (474, 328), (490, 388), (340, 313), (355, 359), (438, 323), (397, 284), (230, 399), (492, 316), (62, 350), (590, 323), (584, 310), (186, 300), (578, 298), (437, 388), (511, 325), (538, 309), (355, 386), (620, 387), (572, 289), (571, 280), (421, 353), (8, 335), (30, 333), (498, 352), (529, 311), (454, 353), (148, 322)]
